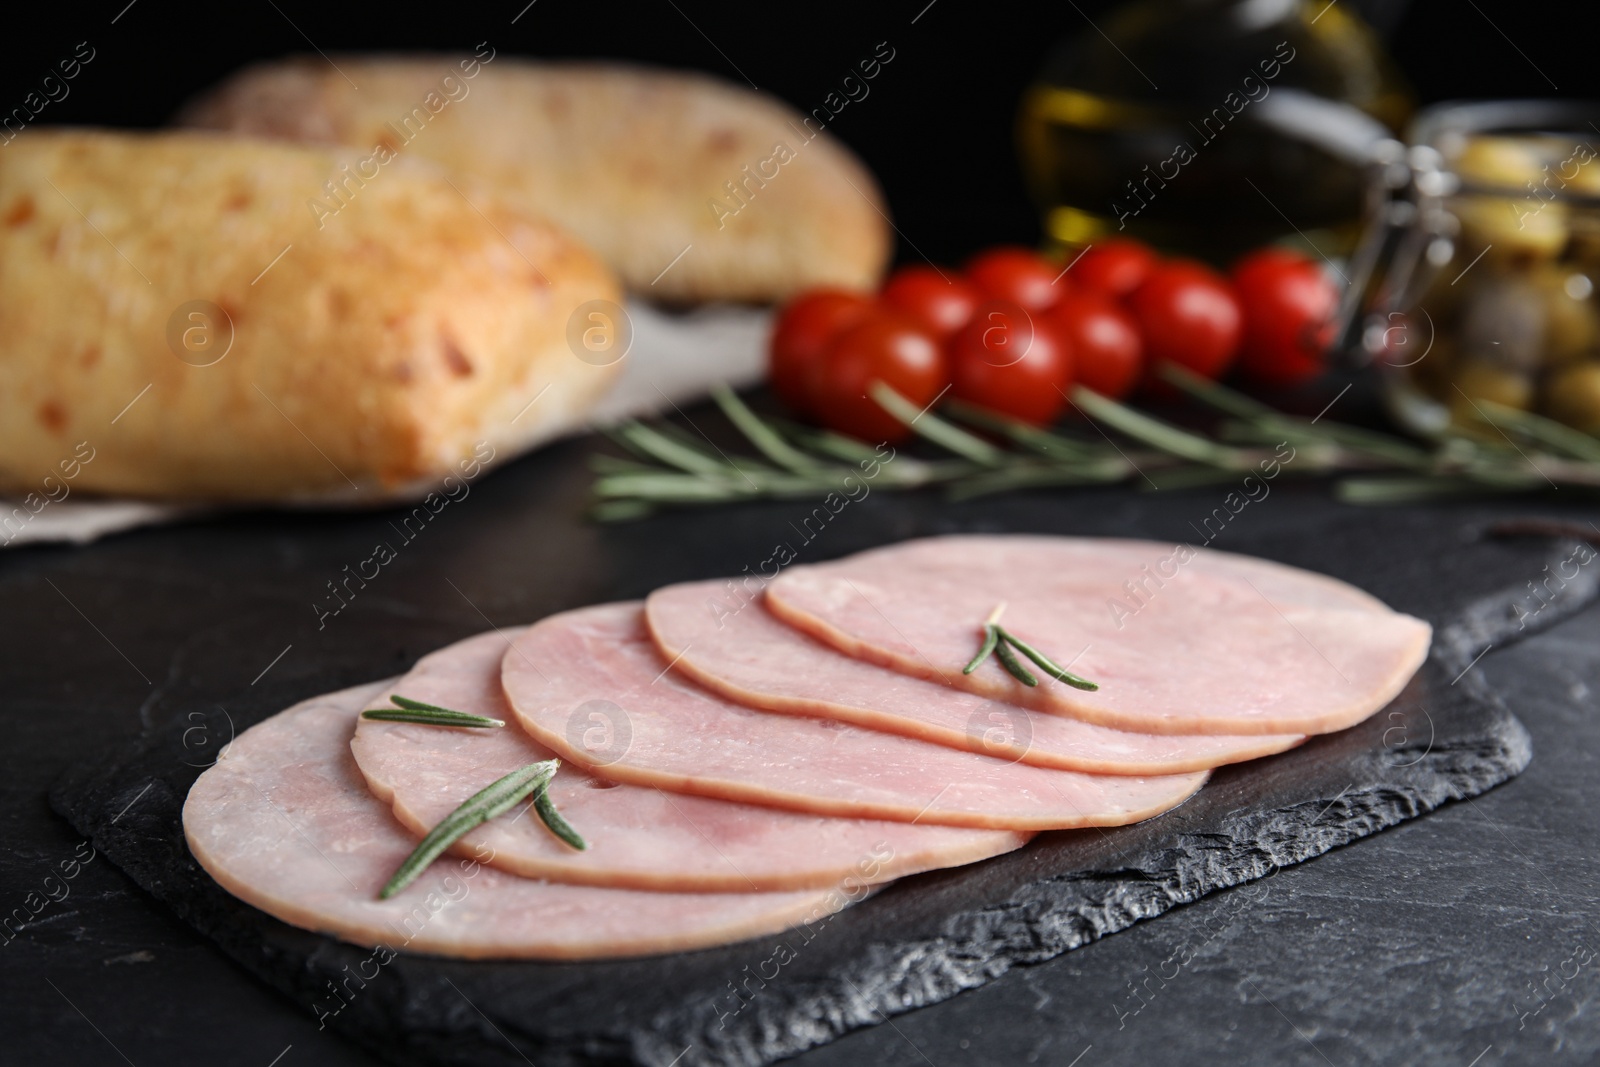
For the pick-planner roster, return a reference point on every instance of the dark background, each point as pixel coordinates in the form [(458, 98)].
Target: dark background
[(1406, 949), (936, 128)]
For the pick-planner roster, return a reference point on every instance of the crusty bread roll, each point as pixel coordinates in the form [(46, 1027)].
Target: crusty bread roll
[(639, 164), (375, 350)]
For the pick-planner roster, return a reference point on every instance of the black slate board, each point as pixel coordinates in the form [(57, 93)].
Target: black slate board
[(918, 942)]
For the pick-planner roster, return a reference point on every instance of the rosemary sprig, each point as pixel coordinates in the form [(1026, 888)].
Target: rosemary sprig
[(555, 821), (998, 642), (494, 799), (1008, 659), (991, 641), (1060, 674), (427, 714), (986, 453)]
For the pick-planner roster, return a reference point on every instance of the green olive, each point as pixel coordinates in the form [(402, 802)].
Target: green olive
[(1511, 228), (1573, 397), (1571, 321), (1501, 162), (1479, 379), (1580, 169)]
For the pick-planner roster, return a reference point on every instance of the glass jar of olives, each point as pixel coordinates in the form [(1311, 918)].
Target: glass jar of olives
[(1487, 297)]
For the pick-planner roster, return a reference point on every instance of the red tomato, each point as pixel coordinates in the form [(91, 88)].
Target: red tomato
[(1288, 304), (941, 303), (886, 346), (1107, 353), (1012, 362), (1017, 275), (1116, 266), (801, 335), (1187, 314)]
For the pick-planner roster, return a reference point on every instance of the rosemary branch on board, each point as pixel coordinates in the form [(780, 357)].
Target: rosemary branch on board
[(427, 714), (1510, 452), (495, 799)]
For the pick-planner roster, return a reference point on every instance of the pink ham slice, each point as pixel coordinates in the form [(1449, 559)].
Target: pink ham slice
[(639, 838), (590, 685), (285, 823), (1211, 646), (750, 657)]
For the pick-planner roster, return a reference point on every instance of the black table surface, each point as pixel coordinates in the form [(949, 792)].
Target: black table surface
[(1462, 938)]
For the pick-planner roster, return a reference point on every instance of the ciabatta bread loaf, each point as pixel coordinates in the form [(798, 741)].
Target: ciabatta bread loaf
[(180, 304), (691, 188)]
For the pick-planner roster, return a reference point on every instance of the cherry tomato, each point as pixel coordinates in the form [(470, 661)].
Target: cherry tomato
[(1116, 266), (887, 346), (941, 303), (1017, 275), (1187, 314), (801, 335), (1288, 304), (1010, 361), (1107, 352)]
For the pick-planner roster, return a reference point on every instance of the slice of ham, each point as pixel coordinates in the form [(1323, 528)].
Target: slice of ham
[(639, 838), (284, 822), (1180, 641), (752, 658), (590, 685)]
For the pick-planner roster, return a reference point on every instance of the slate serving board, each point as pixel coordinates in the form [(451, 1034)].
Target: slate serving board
[(925, 938)]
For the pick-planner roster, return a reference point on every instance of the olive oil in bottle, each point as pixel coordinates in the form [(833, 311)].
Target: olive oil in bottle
[(1164, 126)]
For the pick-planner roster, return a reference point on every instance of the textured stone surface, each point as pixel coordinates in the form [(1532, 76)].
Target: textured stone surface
[(921, 941), (1447, 941), (917, 943), (1406, 948)]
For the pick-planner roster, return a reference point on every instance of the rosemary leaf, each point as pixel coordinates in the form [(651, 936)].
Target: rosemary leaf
[(494, 799), (427, 714), (1218, 396), (1033, 476), (1404, 489), (1158, 434), (1025, 434), (1186, 478), (671, 487), (416, 705), (1272, 424), (926, 424), (1371, 447), (678, 454), (1046, 664), (763, 436), (620, 510), (829, 444), (991, 638), (554, 820), (1547, 432), (1008, 660), (898, 469)]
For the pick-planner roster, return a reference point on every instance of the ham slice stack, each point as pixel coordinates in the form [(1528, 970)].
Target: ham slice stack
[(743, 757)]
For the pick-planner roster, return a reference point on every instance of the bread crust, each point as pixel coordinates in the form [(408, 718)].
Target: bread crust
[(375, 350), (691, 188)]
